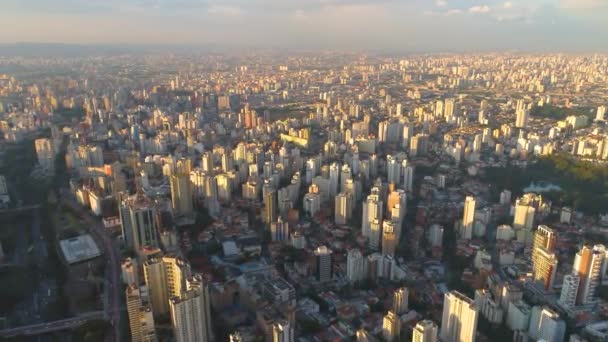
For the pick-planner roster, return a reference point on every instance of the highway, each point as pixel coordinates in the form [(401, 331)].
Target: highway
[(41, 328), (112, 273)]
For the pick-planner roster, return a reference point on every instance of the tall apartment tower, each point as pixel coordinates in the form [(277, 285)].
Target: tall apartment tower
[(190, 312), (343, 207), (282, 331), (324, 264), (165, 278), (389, 238), (141, 321), (372, 210), (400, 300), (270, 206), (468, 218), (391, 326), (589, 266), (425, 331), (45, 151), (138, 222), (544, 261), (459, 320), (181, 194)]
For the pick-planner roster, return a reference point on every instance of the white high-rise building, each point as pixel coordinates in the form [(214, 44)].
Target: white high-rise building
[(468, 218), (372, 210), (375, 234), (459, 319), (165, 278), (569, 290), (141, 321), (282, 331), (343, 207), (589, 266), (408, 178), (391, 326), (400, 300), (334, 179), (45, 151), (324, 263), (449, 109), (425, 331), (279, 230), (546, 325), (356, 266), (129, 272), (518, 315), (393, 169), (138, 222), (522, 116), (601, 112), (190, 312)]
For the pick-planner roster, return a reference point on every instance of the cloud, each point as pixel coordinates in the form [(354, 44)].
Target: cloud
[(448, 13), (441, 3), (229, 11), (507, 5), (479, 9), (583, 4)]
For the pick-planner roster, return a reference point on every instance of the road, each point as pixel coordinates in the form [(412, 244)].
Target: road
[(112, 273), (42, 328)]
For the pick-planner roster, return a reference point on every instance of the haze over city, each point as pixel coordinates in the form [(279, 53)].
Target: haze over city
[(385, 25), (303, 170)]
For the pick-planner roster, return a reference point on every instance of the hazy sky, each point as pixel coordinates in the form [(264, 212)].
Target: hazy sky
[(397, 25)]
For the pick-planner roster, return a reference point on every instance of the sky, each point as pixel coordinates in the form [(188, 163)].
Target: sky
[(361, 25)]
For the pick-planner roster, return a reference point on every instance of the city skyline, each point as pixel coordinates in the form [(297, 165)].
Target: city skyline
[(386, 25)]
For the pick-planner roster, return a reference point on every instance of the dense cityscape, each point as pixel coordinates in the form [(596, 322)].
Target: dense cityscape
[(312, 196)]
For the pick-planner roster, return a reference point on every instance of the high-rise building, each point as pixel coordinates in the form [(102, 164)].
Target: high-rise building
[(375, 234), (468, 218), (589, 266), (389, 237), (372, 210), (526, 208), (544, 261), (181, 195), (545, 268), (401, 300), (601, 112), (391, 326), (279, 230), (393, 169), (165, 278), (449, 109), (270, 206), (45, 151), (207, 162), (569, 290), (546, 325), (141, 321), (521, 117), (459, 319), (138, 222), (343, 207), (282, 331), (129, 272), (190, 312), (323, 263), (334, 179), (356, 266), (425, 331)]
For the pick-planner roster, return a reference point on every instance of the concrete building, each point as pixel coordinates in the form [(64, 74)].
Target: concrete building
[(425, 331), (138, 222), (324, 263), (459, 319)]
